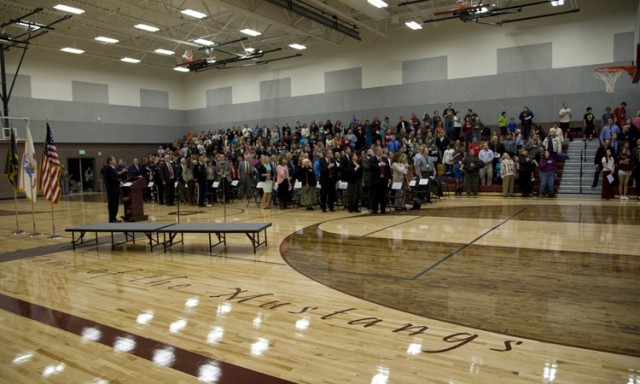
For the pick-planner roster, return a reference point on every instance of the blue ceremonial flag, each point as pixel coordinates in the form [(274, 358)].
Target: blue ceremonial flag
[(12, 167), (29, 169)]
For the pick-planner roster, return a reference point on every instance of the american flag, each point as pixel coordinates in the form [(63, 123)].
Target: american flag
[(50, 177)]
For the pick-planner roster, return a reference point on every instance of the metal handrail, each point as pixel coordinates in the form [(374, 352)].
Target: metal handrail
[(582, 160)]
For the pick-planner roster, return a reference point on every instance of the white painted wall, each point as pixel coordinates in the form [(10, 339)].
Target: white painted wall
[(583, 38), (52, 74)]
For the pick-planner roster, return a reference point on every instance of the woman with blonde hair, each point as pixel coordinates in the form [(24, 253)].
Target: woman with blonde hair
[(283, 180), (625, 170), (267, 174), (508, 172), (308, 179), (400, 170)]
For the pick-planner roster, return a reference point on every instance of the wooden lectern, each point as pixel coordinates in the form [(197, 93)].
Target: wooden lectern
[(132, 199)]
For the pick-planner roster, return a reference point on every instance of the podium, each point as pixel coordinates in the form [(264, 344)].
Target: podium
[(132, 199)]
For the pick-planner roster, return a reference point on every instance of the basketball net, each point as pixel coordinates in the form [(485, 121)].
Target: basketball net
[(611, 74)]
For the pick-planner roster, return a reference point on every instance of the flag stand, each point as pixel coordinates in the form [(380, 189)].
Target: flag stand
[(53, 224), (18, 231), (33, 218)]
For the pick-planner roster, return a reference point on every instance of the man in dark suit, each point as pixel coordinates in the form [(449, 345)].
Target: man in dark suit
[(168, 176), (113, 183), (379, 181), (328, 180), (136, 169), (246, 171), (200, 175)]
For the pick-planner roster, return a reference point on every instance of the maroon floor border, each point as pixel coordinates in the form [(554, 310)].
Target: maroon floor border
[(184, 361)]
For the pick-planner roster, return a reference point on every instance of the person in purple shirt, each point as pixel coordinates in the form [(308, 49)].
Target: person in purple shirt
[(547, 175)]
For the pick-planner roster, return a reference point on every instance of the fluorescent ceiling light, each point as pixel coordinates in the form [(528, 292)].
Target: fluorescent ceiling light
[(192, 13), (28, 25), (147, 28), (181, 69), (130, 60), (72, 50), (297, 46), (555, 3), (413, 25), (107, 40), (250, 32), (203, 42), (164, 52), (249, 50), (66, 8), (378, 3)]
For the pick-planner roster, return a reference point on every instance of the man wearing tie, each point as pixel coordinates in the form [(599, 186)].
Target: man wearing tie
[(379, 181), (135, 169), (245, 171), (168, 176), (328, 180), (200, 176), (113, 189)]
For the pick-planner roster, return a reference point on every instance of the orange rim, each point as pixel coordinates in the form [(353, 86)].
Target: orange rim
[(631, 70)]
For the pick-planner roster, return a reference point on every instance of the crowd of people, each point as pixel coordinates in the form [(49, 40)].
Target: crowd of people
[(368, 163)]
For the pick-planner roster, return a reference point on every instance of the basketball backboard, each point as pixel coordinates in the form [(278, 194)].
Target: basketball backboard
[(636, 56)]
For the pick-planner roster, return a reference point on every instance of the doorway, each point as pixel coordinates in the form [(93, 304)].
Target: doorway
[(82, 175)]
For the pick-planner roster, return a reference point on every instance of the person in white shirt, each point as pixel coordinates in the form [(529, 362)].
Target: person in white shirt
[(447, 159), (564, 117), (486, 156)]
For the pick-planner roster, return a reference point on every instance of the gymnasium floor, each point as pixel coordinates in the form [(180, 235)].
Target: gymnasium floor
[(467, 290)]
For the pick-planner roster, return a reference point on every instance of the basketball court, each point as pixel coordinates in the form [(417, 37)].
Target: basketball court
[(467, 290), (443, 294)]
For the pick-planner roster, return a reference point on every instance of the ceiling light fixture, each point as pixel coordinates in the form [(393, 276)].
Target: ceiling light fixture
[(130, 60), (28, 25), (378, 3), (555, 3), (107, 40), (249, 50), (164, 52), (181, 69), (413, 25), (192, 13), (250, 32), (297, 46), (66, 8), (204, 42), (72, 50), (146, 27)]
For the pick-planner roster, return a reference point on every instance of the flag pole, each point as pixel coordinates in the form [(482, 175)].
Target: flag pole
[(18, 231), (53, 224), (33, 219)]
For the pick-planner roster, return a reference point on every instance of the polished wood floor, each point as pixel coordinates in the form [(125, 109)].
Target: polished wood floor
[(467, 290)]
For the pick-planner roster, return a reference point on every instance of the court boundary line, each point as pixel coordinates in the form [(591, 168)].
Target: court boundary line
[(450, 255)]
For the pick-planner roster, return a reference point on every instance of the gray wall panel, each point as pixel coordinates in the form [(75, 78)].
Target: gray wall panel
[(343, 80), (553, 81), (22, 87), (444, 91), (399, 95), (274, 89), (154, 99), (624, 48), (118, 124), (432, 68), (362, 99), (90, 92), (524, 58), (502, 86), (219, 96)]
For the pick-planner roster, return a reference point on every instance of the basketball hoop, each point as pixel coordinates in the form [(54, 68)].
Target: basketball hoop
[(611, 74)]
